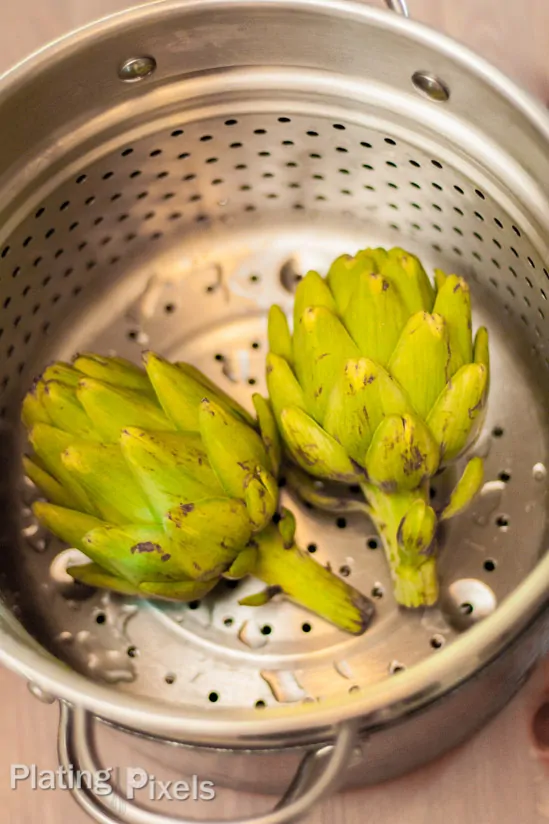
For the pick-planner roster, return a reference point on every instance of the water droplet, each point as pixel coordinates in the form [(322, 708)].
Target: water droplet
[(539, 472), (284, 685), (434, 621), (30, 530), (117, 613), (487, 502), (64, 583), (38, 544), (344, 669), (468, 601), (111, 665), (251, 635), (483, 446), (65, 637)]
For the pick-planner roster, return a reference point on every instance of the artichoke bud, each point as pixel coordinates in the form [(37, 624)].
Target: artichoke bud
[(466, 489), (136, 552), (314, 492), (207, 536), (314, 449), (105, 476), (244, 563), (268, 431), (440, 277), (93, 575), (363, 395), (322, 345), (453, 303), (402, 454), (481, 352), (382, 391), (287, 527), (343, 276), (51, 488), (260, 599), (171, 468), (375, 316), (113, 370), (111, 409), (284, 389), (181, 591), (416, 532), (214, 392), (420, 360), (62, 372), (33, 410), (280, 339), (457, 413), (378, 255), (234, 449), (49, 444), (68, 525), (64, 410), (311, 291), (180, 394), (416, 288), (261, 497)]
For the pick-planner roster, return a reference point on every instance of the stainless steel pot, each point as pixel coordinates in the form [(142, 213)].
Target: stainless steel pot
[(164, 176)]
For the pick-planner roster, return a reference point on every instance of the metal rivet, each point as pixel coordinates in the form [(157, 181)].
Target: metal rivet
[(432, 86), (42, 695), (136, 68)]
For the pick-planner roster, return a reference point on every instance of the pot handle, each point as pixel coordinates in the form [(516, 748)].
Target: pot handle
[(317, 774), (400, 6)]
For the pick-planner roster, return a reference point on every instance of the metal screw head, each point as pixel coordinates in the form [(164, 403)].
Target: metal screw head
[(431, 86), (136, 68)]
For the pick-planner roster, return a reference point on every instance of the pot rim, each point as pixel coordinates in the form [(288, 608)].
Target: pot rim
[(379, 703)]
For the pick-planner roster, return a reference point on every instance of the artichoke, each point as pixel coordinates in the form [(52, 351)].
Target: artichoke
[(167, 485), (381, 384)]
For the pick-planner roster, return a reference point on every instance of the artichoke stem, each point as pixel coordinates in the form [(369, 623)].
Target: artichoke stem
[(308, 583), (417, 586), (415, 580)]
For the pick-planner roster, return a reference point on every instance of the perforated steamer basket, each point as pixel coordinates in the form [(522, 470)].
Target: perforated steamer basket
[(165, 176)]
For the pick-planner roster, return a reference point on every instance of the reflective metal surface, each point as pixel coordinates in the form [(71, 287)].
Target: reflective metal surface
[(168, 214)]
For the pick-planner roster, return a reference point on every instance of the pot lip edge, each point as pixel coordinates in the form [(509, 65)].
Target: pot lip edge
[(389, 700)]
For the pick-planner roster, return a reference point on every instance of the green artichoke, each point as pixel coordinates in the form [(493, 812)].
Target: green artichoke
[(167, 485), (381, 384)]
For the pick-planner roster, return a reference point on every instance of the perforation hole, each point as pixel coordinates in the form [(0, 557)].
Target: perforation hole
[(437, 641)]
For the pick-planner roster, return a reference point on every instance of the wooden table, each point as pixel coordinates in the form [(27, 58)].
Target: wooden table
[(497, 778)]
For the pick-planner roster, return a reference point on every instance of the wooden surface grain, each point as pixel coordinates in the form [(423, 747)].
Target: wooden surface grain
[(497, 777)]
